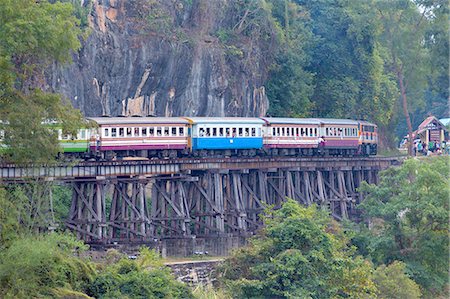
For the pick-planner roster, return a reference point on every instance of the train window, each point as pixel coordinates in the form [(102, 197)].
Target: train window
[(240, 132), (136, 132), (121, 132), (288, 131), (208, 132), (174, 131), (214, 132), (113, 132), (221, 132), (166, 131), (247, 132), (144, 132), (106, 132), (151, 131), (327, 131), (181, 131), (283, 132), (158, 131), (278, 132), (274, 132), (128, 132), (297, 132), (310, 132), (302, 132), (253, 132)]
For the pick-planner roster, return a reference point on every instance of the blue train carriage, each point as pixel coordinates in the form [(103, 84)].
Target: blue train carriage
[(225, 136)]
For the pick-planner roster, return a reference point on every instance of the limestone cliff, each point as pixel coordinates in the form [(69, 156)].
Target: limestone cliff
[(167, 58)]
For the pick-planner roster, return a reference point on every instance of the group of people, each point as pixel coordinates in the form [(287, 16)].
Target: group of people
[(432, 148)]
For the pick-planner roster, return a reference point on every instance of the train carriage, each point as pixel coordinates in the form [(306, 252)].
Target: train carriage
[(140, 136), (368, 138), (77, 144), (219, 134), (289, 136), (340, 136)]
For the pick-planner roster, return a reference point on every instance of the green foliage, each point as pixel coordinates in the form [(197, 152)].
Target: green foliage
[(34, 35), (393, 283), (408, 211), (9, 224), (145, 277), (291, 85), (438, 46), (301, 253), (43, 266), (62, 199), (158, 17)]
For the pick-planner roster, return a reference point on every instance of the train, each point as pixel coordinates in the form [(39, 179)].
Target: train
[(113, 138)]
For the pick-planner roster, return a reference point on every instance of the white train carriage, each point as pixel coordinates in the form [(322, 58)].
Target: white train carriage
[(140, 136), (291, 136)]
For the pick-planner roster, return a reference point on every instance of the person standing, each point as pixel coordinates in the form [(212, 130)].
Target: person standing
[(420, 147)]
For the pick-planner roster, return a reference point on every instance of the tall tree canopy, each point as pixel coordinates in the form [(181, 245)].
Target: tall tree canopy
[(34, 34)]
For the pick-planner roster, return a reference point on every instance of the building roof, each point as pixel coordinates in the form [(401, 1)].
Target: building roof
[(445, 121), (428, 122)]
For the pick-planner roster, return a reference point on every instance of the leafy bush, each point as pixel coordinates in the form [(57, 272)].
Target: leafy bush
[(145, 277), (44, 266)]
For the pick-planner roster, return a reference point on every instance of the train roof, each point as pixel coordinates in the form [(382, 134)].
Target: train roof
[(224, 120), (138, 120), (337, 121), (293, 121), (363, 122)]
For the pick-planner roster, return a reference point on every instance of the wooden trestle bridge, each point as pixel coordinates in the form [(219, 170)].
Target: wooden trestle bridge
[(140, 201)]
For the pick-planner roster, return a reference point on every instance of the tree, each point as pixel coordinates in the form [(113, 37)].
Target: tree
[(346, 63), (290, 86), (393, 283), (34, 34), (403, 35), (436, 42), (302, 253), (408, 212)]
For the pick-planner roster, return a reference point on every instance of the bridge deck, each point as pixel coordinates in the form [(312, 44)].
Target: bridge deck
[(114, 169)]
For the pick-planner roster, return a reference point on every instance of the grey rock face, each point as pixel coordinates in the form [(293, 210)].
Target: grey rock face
[(131, 64)]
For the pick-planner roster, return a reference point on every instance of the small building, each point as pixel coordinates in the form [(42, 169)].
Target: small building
[(431, 129)]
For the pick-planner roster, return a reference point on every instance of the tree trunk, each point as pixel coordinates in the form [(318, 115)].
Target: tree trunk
[(405, 108)]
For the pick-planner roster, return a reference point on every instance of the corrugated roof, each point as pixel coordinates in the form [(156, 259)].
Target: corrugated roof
[(138, 120), (224, 120), (293, 121)]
